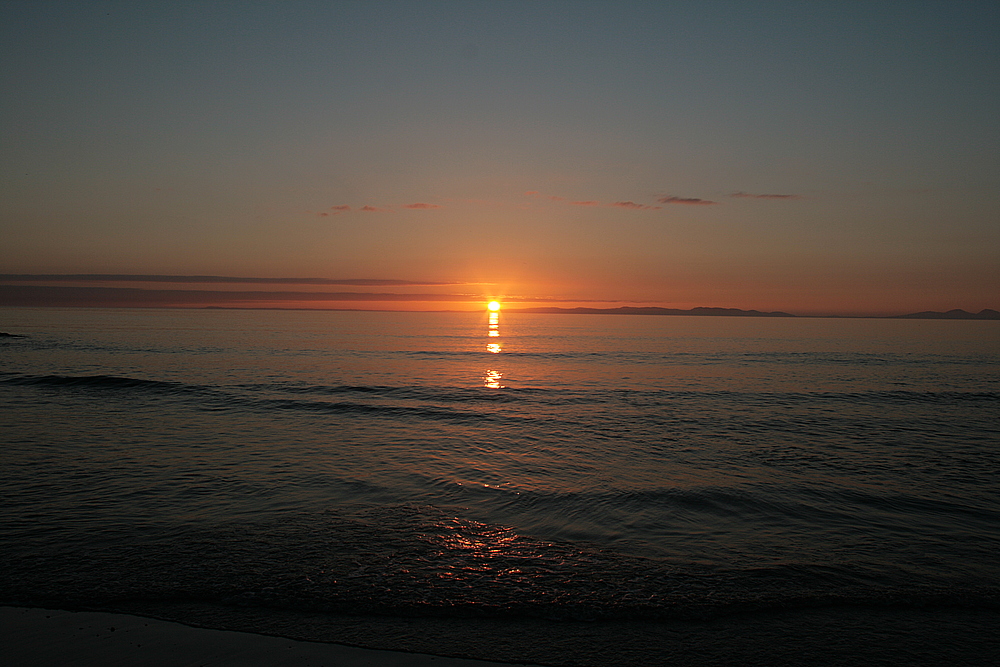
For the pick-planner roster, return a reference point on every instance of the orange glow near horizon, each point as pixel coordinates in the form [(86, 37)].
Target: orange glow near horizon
[(124, 291)]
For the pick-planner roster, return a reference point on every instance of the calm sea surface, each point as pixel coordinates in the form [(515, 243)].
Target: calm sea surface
[(566, 467)]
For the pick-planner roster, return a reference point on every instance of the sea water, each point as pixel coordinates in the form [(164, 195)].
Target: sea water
[(560, 467)]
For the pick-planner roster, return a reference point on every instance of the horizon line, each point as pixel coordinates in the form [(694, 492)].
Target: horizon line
[(986, 314)]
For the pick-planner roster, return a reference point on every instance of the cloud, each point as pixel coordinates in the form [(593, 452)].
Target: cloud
[(131, 297), (143, 278), (531, 193), (593, 202), (637, 207), (372, 209), (751, 196), (337, 210), (421, 205), (691, 201)]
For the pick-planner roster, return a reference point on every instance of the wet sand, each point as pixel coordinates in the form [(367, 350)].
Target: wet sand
[(42, 637), (831, 637)]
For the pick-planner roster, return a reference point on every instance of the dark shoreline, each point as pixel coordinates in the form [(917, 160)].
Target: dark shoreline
[(828, 636)]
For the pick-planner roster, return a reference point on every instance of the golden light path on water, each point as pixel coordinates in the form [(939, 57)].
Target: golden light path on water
[(492, 377)]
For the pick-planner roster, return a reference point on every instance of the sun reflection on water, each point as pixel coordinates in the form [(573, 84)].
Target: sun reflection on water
[(478, 540), (468, 550), (492, 377)]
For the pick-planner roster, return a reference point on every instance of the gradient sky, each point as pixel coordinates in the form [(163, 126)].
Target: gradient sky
[(813, 157)]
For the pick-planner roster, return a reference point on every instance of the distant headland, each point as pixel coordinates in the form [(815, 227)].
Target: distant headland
[(651, 310), (956, 314)]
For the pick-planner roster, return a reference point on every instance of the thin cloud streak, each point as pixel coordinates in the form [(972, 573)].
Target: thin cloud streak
[(637, 207), (141, 278), (133, 297), (747, 195), (19, 295), (671, 199), (689, 201)]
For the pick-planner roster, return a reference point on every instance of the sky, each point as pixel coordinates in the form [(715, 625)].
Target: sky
[(810, 157)]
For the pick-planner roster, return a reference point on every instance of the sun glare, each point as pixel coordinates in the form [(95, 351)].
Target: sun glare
[(493, 305)]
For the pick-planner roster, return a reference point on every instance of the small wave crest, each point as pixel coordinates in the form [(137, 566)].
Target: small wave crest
[(96, 382), (415, 392), (344, 407), (249, 397)]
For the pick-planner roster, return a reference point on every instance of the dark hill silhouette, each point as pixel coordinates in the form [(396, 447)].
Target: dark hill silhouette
[(647, 310), (955, 314)]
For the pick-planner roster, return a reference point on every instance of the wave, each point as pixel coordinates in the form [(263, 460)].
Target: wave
[(703, 358), (777, 399), (479, 403), (95, 382), (788, 506), (365, 409), (218, 397), (413, 392), (459, 394), (245, 391), (856, 358)]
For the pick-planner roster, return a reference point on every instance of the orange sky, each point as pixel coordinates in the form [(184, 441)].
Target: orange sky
[(181, 292), (807, 158)]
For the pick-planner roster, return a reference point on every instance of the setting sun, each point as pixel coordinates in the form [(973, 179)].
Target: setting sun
[(493, 305)]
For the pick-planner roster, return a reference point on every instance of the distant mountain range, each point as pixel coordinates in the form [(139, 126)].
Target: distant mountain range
[(956, 314), (635, 310)]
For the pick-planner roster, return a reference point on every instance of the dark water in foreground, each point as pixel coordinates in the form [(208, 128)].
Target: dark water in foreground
[(612, 468)]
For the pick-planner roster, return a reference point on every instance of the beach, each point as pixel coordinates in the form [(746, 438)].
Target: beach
[(829, 637), (40, 637)]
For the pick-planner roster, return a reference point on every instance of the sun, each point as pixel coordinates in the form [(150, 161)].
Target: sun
[(493, 305)]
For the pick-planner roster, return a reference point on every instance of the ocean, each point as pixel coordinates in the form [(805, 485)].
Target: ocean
[(640, 485)]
